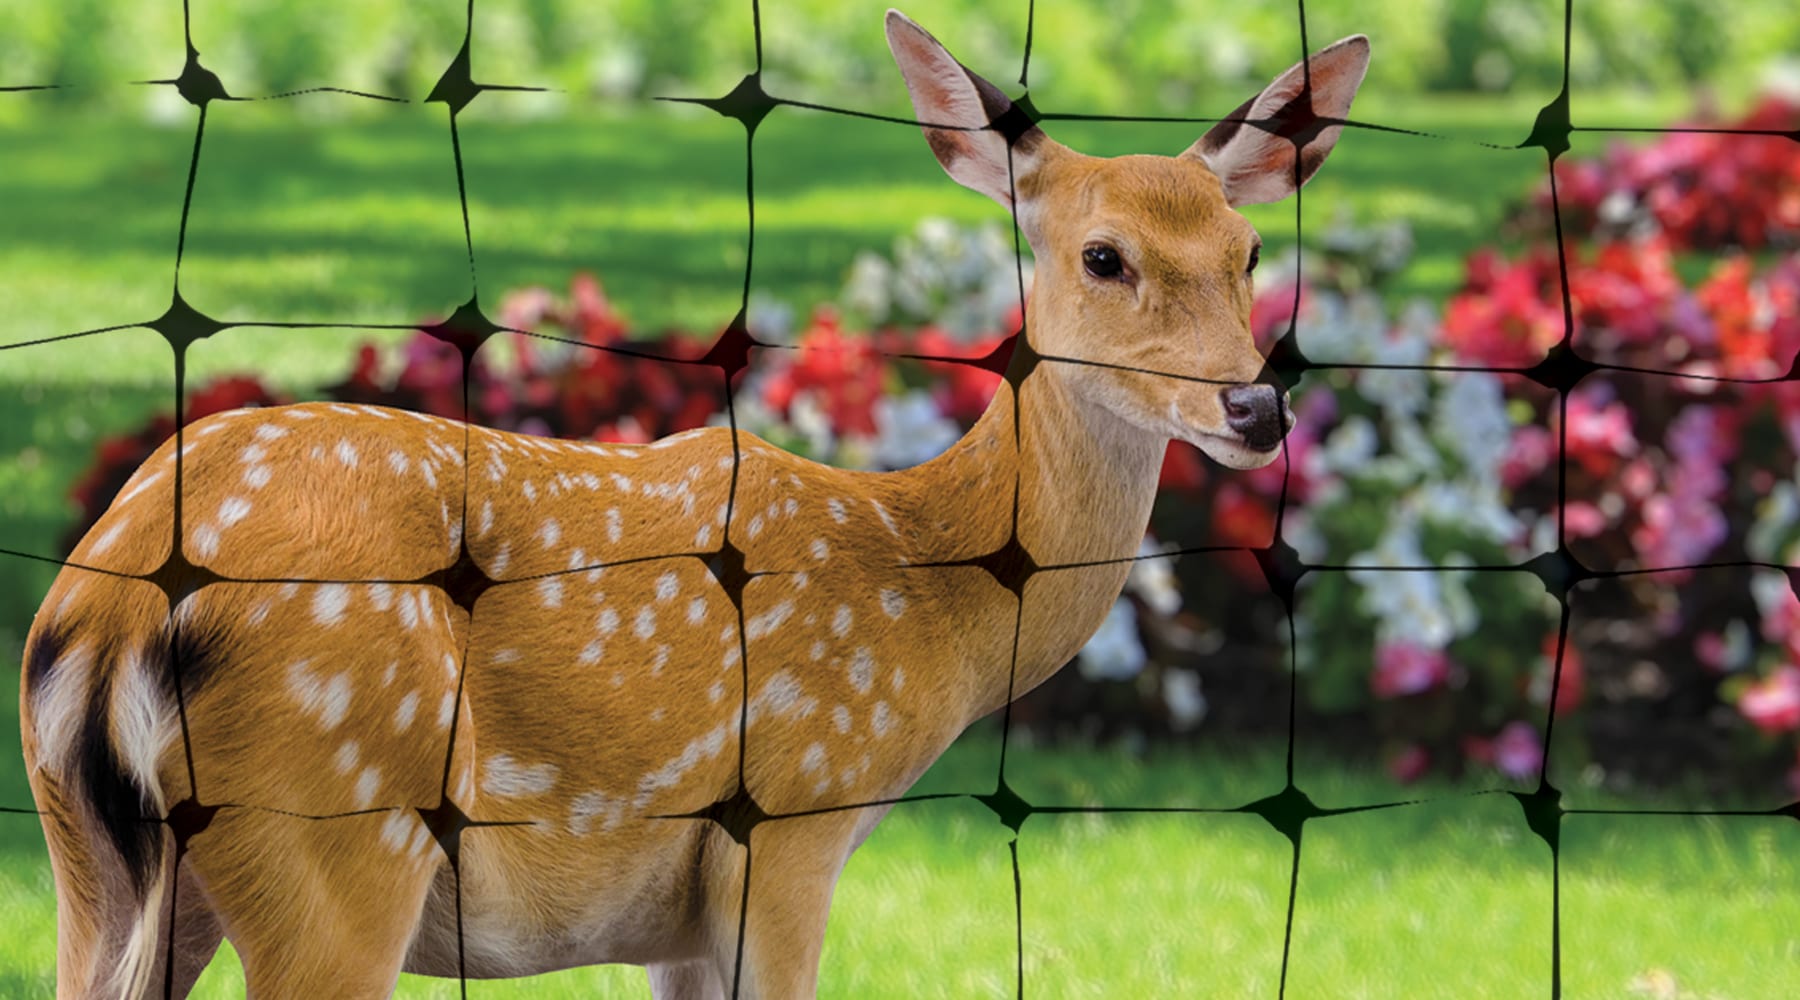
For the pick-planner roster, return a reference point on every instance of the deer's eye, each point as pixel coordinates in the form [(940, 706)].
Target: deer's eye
[(1255, 255), (1102, 261)]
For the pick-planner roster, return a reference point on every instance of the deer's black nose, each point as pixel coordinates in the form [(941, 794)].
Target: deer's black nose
[(1254, 411)]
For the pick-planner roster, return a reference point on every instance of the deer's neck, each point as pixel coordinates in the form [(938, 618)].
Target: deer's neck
[(1086, 480)]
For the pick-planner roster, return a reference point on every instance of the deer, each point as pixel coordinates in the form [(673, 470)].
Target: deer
[(360, 764)]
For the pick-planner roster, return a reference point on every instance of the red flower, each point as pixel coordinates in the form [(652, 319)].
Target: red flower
[(1402, 668), (1241, 519), (1509, 314), (1409, 764), (1572, 686), (844, 373), (1183, 468)]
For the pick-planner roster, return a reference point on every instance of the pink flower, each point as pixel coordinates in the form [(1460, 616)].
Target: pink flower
[(1530, 451), (1599, 430), (1410, 764), (1518, 752), (1773, 703), (1403, 668)]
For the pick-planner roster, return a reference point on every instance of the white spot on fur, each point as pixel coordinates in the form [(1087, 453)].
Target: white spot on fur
[(486, 523), (397, 828), (840, 622), (501, 558), (893, 603), (879, 720), (233, 510), (551, 532), (147, 482), (608, 623), (696, 612), (550, 591), (836, 507), (862, 671), (505, 777), (446, 708), (768, 621), (257, 476), (347, 756), (108, 537), (346, 453), (270, 432), (667, 586), (328, 603), (645, 627), (818, 649), (590, 653), (820, 550), (589, 806), (813, 759), (367, 783), (840, 718), (206, 541), (326, 697), (409, 708), (397, 461), (615, 524), (886, 518)]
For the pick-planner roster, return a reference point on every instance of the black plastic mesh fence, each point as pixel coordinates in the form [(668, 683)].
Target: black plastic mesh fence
[(1291, 812)]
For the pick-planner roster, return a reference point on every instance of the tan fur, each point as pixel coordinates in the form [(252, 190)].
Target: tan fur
[(600, 686)]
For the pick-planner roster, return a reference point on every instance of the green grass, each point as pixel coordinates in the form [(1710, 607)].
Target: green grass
[(300, 218)]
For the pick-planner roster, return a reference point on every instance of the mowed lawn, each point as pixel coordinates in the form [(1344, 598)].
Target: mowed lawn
[(300, 216)]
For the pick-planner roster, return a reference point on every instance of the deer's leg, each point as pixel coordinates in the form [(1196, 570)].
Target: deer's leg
[(794, 866), (197, 935), (317, 907), (693, 980)]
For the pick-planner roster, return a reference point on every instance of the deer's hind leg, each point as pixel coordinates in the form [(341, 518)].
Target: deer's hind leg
[(318, 907)]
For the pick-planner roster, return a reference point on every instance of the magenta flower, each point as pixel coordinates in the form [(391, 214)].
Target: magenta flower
[(1403, 668), (1518, 752), (1773, 703)]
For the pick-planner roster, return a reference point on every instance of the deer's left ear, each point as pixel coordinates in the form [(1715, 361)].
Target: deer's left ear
[(1253, 150)]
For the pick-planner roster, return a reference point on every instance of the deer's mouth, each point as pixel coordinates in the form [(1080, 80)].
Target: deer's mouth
[(1231, 448), (1233, 452)]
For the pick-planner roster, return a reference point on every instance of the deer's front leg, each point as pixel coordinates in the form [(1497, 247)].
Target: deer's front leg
[(794, 866)]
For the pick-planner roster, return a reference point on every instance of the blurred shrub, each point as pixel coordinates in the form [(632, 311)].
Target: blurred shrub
[(1115, 57)]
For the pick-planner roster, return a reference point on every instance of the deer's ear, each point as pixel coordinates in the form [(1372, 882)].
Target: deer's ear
[(1254, 149), (959, 112)]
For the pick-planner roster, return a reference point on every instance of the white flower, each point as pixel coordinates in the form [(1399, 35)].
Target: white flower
[(1152, 579), (1187, 703), (910, 429), (1114, 653), (1471, 418), (1349, 446)]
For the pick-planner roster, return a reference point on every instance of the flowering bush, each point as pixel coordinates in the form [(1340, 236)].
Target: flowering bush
[(1700, 190)]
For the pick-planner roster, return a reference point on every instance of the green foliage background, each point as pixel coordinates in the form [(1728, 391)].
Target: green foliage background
[(1097, 56)]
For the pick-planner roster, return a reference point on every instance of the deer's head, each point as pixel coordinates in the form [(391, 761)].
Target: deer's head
[(1143, 262)]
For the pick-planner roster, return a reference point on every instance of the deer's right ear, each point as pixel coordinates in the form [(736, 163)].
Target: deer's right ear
[(956, 109)]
